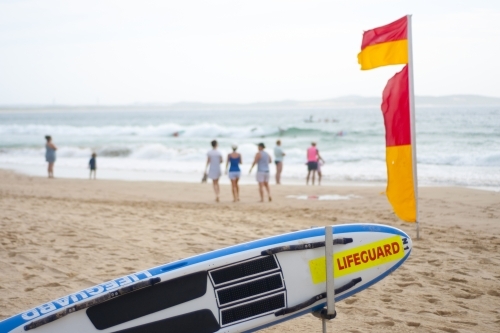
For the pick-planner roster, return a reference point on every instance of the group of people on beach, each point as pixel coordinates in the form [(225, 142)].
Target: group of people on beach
[(262, 160), (213, 167), (50, 157)]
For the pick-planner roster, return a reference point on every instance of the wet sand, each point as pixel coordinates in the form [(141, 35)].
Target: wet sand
[(63, 235)]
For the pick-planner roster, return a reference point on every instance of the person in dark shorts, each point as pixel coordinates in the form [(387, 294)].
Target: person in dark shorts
[(93, 166), (278, 159), (313, 158), (50, 155)]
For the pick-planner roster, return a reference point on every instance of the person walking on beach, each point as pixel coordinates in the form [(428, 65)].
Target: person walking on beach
[(93, 166), (278, 160), (214, 160), (313, 158), (233, 161), (50, 155), (262, 159)]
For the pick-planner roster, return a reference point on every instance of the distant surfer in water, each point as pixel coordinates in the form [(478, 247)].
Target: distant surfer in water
[(278, 160), (233, 161), (214, 160), (262, 159), (50, 155), (313, 157)]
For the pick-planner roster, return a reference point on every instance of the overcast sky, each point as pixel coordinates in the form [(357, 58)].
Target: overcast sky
[(121, 52)]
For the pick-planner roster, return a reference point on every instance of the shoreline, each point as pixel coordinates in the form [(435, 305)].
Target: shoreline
[(245, 180)]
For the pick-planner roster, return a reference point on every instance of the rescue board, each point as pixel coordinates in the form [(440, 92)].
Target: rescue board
[(243, 288)]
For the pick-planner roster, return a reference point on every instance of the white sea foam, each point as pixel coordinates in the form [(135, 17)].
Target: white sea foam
[(452, 147)]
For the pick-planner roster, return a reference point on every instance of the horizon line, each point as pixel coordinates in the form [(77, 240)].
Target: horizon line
[(344, 98)]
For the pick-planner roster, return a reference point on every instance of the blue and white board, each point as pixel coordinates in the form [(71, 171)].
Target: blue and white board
[(242, 288)]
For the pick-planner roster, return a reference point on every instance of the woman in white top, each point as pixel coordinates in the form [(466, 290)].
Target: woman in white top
[(214, 160)]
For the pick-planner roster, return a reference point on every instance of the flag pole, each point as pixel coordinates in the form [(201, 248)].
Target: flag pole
[(412, 121)]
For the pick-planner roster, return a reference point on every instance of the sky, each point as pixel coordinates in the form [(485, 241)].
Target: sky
[(233, 51)]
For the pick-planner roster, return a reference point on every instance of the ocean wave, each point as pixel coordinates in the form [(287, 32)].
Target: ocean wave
[(204, 130), (346, 154)]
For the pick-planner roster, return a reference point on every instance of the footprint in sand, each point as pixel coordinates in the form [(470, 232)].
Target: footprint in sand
[(449, 330), (386, 323), (464, 322), (458, 280), (395, 291), (443, 313), (435, 262), (413, 324), (485, 261), (386, 300), (351, 301), (407, 279), (404, 285), (467, 294), (494, 293)]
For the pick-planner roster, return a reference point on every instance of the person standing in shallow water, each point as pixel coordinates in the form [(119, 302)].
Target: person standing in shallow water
[(278, 160), (93, 166), (50, 155), (234, 161), (313, 159), (262, 159), (214, 160)]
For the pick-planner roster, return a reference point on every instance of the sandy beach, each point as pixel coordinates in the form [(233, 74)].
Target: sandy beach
[(59, 236)]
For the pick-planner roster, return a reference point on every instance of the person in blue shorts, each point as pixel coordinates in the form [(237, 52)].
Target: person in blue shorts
[(93, 166), (233, 161)]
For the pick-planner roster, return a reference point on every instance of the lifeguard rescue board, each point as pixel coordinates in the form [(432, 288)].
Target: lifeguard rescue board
[(242, 288)]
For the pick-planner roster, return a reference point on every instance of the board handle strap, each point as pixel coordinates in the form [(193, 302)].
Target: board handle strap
[(308, 246), (90, 303)]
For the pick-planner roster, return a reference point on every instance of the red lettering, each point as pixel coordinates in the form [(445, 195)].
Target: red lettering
[(339, 265), (345, 263), (356, 259), (374, 254), (395, 247), (349, 260), (365, 257), (380, 252), (387, 249)]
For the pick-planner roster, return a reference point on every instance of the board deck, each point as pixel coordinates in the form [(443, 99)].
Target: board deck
[(242, 288)]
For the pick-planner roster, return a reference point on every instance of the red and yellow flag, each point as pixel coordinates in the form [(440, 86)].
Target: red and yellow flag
[(383, 46), (387, 45), (399, 150)]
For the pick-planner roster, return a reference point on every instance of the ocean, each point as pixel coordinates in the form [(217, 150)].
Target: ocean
[(455, 146)]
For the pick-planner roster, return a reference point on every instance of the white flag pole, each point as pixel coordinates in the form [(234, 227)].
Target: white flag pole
[(412, 119)]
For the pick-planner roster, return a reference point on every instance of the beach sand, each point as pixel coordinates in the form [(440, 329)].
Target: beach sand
[(63, 235)]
